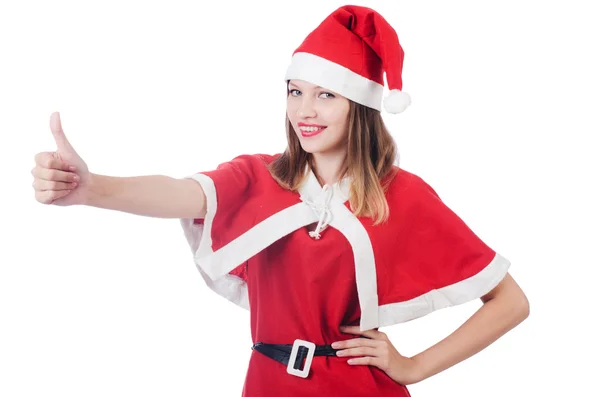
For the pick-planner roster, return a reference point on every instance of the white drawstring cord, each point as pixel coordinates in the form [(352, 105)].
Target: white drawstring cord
[(322, 211)]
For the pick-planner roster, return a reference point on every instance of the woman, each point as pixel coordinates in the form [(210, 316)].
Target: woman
[(328, 241)]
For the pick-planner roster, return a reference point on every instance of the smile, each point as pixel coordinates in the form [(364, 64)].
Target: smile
[(311, 131)]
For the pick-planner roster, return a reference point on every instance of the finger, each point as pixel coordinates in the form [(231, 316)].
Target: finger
[(49, 196), (355, 329), (54, 175), (358, 351), (355, 342), (62, 143), (49, 160), (364, 361), (42, 185)]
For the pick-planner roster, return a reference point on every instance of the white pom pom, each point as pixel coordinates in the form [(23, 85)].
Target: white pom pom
[(396, 102)]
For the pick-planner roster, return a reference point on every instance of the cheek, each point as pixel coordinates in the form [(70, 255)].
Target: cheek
[(339, 120), (291, 107), (290, 116), (335, 115)]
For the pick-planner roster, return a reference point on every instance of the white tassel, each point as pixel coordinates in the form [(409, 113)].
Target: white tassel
[(325, 215), (396, 102)]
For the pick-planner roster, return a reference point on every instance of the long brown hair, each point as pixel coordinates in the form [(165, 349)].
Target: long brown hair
[(372, 153)]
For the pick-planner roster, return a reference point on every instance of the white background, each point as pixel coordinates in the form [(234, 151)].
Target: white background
[(506, 97)]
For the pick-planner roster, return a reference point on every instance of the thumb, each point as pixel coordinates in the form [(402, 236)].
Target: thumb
[(62, 143)]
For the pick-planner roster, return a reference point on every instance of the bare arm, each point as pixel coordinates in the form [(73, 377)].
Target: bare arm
[(504, 308), (63, 178), (153, 195)]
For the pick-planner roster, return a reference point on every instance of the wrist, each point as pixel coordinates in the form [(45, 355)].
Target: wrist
[(421, 369), (94, 190)]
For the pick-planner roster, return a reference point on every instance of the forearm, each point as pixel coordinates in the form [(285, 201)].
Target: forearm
[(495, 318), (153, 195)]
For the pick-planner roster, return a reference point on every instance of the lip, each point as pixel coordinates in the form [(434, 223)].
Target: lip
[(310, 125), (312, 133)]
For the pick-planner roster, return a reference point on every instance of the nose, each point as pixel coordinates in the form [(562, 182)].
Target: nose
[(306, 108)]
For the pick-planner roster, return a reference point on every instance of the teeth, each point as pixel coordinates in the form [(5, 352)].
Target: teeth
[(311, 129)]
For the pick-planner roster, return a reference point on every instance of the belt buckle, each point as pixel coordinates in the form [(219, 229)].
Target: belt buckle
[(309, 357)]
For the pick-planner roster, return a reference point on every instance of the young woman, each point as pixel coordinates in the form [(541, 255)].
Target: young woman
[(327, 241)]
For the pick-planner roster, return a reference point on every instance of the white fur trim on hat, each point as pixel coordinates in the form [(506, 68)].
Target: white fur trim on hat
[(330, 75)]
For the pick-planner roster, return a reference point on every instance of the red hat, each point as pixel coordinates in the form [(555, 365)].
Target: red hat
[(348, 53)]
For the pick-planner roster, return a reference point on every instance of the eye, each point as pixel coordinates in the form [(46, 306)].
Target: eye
[(293, 92), (327, 93)]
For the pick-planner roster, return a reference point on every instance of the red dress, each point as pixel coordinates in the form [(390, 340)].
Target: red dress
[(254, 248)]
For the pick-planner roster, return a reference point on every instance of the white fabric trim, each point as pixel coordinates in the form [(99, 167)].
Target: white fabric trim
[(364, 261), (451, 295), (205, 242), (335, 77), (364, 258), (230, 287), (215, 266), (199, 238), (256, 239)]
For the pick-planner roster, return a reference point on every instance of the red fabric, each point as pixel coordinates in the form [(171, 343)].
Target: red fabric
[(243, 201), (425, 245), (361, 40), (301, 288), (304, 288)]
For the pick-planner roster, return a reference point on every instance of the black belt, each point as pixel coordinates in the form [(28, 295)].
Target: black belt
[(300, 350)]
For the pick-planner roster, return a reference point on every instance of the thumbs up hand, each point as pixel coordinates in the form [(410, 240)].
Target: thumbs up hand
[(60, 177)]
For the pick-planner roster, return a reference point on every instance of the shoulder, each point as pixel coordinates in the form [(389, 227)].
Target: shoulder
[(257, 158), (250, 163), (408, 188), (405, 181)]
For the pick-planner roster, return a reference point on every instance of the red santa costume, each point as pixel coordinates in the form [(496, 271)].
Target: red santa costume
[(255, 248)]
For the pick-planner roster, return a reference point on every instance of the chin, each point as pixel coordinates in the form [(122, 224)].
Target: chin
[(313, 146), (310, 148), (313, 149)]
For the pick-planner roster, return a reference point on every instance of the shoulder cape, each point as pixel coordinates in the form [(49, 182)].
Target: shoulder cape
[(424, 258)]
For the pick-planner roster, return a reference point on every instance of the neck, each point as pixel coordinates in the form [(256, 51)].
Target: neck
[(328, 168)]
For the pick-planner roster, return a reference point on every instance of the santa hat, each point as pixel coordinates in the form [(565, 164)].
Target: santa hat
[(348, 54)]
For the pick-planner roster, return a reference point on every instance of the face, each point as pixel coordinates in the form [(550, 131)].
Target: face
[(319, 117)]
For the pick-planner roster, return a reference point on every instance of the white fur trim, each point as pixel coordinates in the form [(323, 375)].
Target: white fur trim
[(199, 239), (452, 295), (214, 266), (219, 263), (364, 262), (396, 102), (364, 258), (330, 75)]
